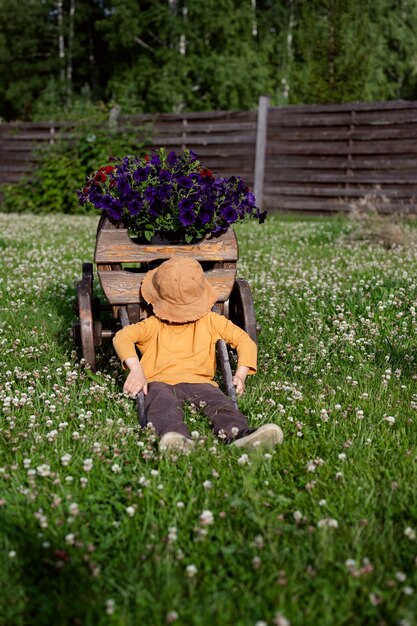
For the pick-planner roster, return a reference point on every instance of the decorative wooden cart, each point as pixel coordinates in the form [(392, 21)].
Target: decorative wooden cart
[(121, 264)]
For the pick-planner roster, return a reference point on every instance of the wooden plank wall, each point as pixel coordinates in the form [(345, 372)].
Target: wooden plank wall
[(318, 158), (19, 142), (223, 140), (323, 158)]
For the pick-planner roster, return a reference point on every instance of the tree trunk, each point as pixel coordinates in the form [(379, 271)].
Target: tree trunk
[(61, 40), (70, 48)]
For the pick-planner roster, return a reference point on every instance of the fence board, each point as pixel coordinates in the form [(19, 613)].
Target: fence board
[(315, 154)]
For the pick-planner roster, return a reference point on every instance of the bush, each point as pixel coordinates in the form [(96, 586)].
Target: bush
[(64, 166)]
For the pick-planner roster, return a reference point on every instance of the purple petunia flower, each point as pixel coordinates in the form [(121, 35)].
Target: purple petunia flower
[(140, 174), (150, 194), (172, 158), (229, 214), (134, 207), (187, 216), (185, 182), (115, 210), (164, 191)]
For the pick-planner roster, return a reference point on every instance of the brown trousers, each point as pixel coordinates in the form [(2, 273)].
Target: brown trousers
[(163, 407)]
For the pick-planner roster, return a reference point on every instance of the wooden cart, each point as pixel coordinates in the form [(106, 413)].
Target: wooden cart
[(121, 264)]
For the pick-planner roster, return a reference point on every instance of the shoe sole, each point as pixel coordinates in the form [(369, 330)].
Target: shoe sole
[(174, 441), (265, 437)]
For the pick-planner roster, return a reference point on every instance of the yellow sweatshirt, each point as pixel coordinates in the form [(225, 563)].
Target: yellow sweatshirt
[(183, 353)]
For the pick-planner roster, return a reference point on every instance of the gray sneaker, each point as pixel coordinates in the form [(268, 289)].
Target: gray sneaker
[(266, 436), (175, 441)]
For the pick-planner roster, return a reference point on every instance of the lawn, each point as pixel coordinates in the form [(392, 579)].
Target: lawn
[(99, 529)]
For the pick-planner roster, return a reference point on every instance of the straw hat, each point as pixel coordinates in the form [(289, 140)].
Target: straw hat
[(178, 290)]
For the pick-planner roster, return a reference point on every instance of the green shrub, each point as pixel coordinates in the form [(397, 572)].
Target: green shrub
[(63, 167)]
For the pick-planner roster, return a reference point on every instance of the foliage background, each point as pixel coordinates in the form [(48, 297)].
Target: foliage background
[(173, 55)]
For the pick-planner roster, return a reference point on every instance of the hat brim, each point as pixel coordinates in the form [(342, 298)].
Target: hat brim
[(178, 313)]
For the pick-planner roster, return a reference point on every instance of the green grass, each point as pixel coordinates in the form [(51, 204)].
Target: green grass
[(314, 534)]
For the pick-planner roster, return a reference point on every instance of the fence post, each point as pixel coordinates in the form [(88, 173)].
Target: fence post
[(261, 136)]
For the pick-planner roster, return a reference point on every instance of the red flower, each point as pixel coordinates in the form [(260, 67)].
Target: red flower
[(146, 157), (206, 172), (100, 177)]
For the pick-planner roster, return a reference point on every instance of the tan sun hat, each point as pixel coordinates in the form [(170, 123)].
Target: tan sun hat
[(178, 290)]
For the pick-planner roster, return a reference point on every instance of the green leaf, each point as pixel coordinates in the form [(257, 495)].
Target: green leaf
[(188, 237)]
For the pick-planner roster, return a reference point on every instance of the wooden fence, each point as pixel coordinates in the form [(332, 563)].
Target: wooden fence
[(299, 158)]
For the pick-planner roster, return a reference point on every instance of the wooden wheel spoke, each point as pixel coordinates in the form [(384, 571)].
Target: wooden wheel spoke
[(241, 308), (85, 310)]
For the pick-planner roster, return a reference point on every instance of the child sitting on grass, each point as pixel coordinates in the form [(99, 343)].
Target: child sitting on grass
[(178, 361)]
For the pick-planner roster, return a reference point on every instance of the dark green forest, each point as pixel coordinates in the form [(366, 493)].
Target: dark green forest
[(61, 57)]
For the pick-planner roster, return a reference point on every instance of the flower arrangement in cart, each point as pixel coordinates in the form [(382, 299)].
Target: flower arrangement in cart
[(166, 193)]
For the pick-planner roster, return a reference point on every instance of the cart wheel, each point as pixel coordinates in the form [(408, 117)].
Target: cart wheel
[(85, 309), (241, 309)]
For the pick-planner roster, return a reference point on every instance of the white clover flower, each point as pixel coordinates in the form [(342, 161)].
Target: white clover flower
[(116, 468), (341, 456), (12, 554), (206, 518), (26, 463), (96, 447), (52, 435), (65, 459), (43, 470), (87, 465), (130, 510), (70, 539), (256, 562), (410, 533), (408, 590), (400, 576), (243, 460), (324, 415), (207, 484), (191, 571), (280, 620), (110, 606), (298, 516), (328, 522), (74, 508), (83, 481), (390, 419), (180, 504), (171, 617)]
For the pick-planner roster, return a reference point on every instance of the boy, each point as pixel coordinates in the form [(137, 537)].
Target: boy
[(178, 359)]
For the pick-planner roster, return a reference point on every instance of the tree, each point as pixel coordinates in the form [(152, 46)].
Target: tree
[(335, 52)]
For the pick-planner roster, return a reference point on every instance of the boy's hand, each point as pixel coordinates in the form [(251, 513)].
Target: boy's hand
[(239, 379), (136, 379)]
